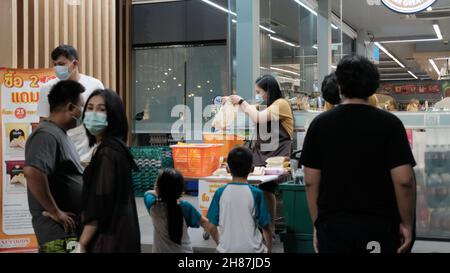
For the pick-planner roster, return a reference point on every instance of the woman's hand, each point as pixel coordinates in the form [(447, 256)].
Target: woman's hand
[(224, 99), (235, 99)]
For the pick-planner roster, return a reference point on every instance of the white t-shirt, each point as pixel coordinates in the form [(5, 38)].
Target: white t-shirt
[(238, 209), (443, 104), (78, 135)]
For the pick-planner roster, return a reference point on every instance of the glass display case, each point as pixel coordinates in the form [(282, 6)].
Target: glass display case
[(429, 136)]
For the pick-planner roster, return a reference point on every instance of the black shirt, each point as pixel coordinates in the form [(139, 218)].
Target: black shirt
[(355, 146)]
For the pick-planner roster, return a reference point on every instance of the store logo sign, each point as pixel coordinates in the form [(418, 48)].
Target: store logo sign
[(408, 6)]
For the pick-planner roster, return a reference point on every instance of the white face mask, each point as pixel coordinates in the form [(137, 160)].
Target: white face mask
[(259, 99)]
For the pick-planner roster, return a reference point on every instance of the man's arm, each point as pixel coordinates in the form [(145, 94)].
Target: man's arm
[(38, 185), (312, 182), (88, 233), (405, 192)]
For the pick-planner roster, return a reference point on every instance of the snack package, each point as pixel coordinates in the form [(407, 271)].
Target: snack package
[(17, 134)]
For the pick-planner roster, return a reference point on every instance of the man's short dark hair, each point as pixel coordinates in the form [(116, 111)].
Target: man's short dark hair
[(357, 77), (64, 92), (65, 50), (330, 89), (240, 162)]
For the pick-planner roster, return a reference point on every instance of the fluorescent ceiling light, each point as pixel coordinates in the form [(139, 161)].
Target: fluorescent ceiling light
[(306, 7), (411, 41), (390, 68), (233, 13), (441, 59), (219, 7), (334, 26), (315, 47), (438, 31), (435, 66), (267, 29), (333, 66), (283, 41), (389, 54), (402, 79), (412, 74), (284, 70), (393, 74)]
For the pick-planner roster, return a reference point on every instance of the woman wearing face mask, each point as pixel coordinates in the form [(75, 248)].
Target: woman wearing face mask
[(109, 210), (274, 123)]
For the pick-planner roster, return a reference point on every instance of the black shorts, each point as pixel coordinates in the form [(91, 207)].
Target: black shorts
[(357, 234)]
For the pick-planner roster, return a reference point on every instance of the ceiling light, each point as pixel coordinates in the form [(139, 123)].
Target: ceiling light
[(283, 41), (435, 67), (389, 54), (284, 70), (306, 7), (267, 29), (429, 8), (412, 74), (402, 79), (390, 68), (233, 13), (438, 31), (411, 41), (393, 74), (219, 7), (334, 26)]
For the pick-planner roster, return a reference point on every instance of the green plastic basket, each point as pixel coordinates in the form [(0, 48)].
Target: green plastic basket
[(150, 161), (295, 206), (297, 243)]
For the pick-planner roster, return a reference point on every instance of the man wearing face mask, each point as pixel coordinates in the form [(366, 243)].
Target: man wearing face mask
[(65, 61), (54, 172)]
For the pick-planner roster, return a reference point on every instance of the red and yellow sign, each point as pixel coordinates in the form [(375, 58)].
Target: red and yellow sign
[(19, 98)]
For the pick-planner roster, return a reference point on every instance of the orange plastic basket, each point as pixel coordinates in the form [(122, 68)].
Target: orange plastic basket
[(196, 160), (229, 141)]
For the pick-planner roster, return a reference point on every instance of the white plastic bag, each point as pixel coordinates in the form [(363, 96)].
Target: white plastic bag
[(226, 116)]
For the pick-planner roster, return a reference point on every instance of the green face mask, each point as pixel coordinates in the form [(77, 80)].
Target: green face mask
[(96, 123)]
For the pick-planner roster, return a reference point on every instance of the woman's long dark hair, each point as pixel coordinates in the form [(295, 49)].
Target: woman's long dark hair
[(115, 110), (269, 84), (170, 184)]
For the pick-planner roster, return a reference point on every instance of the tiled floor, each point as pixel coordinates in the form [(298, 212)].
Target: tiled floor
[(208, 246)]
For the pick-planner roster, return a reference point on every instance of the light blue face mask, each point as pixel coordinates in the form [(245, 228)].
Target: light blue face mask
[(62, 72), (259, 99), (95, 123)]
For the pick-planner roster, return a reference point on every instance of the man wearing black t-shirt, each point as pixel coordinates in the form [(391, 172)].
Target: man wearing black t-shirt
[(358, 170)]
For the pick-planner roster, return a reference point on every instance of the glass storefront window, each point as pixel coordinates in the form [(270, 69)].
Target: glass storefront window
[(169, 76)]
